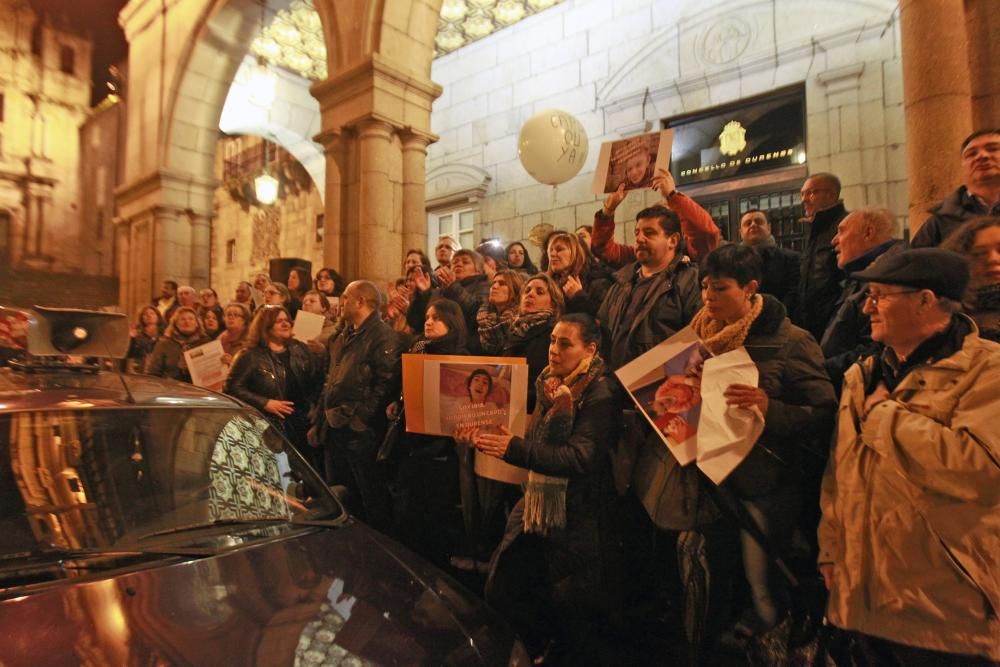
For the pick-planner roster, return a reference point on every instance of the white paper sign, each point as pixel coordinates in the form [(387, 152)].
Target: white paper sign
[(726, 434), (205, 365), (308, 326)]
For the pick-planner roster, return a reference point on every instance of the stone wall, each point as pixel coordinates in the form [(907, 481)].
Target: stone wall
[(287, 229), (43, 108), (617, 64)]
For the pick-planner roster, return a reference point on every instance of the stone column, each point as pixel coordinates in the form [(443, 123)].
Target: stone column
[(335, 151), (201, 249), (982, 22), (375, 208), (414, 146), (171, 246), (936, 99)]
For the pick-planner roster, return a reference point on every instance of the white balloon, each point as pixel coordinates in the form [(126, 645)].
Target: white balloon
[(552, 146)]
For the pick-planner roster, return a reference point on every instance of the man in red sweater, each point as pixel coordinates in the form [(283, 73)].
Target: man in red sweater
[(701, 235)]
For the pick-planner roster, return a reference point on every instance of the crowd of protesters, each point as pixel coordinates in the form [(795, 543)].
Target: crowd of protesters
[(872, 496)]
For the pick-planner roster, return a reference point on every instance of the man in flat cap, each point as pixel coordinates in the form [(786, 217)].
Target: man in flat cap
[(910, 534)]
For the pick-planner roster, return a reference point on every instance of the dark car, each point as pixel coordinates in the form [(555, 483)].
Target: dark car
[(150, 522)]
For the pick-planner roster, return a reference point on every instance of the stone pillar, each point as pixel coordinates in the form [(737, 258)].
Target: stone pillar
[(201, 249), (375, 209), (335, 151), (171, 246), (982, 22), (414, 188), (936, 99)]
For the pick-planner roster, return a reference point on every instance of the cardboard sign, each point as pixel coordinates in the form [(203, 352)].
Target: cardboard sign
[(443, 393), (633, 161)]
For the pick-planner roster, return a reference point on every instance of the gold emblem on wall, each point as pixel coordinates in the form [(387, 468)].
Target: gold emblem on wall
[(733, 138)]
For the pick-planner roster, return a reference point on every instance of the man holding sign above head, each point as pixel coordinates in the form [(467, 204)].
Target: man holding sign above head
[(698, 230)]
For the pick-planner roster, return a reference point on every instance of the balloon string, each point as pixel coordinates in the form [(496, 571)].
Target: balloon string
[(555, 190)]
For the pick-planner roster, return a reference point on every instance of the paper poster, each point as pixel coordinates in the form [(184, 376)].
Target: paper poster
[(205, 365), (726, 434), (678, 386), (665, 384), (308, 326), (633, 161), (443, 392)]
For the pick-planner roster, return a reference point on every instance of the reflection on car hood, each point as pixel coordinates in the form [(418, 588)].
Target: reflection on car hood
[(337, 596)]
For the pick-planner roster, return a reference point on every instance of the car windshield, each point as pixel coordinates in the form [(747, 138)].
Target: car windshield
[(114, 478)]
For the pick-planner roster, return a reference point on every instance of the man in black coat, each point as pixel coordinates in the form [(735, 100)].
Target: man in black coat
[(781, 265), (364, 365), (862, 237), (819, 276), (979, 193)]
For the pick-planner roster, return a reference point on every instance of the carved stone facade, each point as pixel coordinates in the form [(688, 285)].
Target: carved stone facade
[(44, 97)]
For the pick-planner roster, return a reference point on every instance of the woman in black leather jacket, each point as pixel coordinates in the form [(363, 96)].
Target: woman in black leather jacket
[(277, 375)]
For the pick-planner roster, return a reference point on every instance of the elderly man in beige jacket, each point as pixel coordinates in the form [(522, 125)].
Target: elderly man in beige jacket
[(910, 534)]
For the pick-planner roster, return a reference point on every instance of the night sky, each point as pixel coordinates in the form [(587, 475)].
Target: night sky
[(99, 19)]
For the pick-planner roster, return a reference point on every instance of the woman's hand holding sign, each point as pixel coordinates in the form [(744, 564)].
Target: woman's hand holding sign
[(494, 444)]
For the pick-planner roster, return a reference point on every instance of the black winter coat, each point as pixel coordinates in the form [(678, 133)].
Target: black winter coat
[(801, 402), (670, 304), (948, 216), (781, 272), (533, 346), (258, 375), (819, 277), (583, 458), (362, 376)]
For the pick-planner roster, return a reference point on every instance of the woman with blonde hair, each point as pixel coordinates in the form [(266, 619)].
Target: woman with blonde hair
[(569, 264), (183, 333)]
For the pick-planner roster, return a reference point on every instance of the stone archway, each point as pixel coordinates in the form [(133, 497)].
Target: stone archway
[(375, 127)]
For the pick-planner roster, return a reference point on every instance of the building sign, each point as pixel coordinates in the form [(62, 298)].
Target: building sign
[(739, 140)]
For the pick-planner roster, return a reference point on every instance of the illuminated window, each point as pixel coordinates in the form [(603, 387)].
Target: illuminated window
[(456, 223)]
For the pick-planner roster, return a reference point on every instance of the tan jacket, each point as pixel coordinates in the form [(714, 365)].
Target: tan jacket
[(911, 506)]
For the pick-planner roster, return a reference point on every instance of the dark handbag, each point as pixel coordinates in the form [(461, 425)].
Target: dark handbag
[(393, 436)]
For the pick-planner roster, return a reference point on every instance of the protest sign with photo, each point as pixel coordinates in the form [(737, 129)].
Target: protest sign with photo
[(443, 393), (665, 384), (632, 161), (679, 388)]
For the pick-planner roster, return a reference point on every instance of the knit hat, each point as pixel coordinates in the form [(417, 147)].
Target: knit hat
[(943, 272)]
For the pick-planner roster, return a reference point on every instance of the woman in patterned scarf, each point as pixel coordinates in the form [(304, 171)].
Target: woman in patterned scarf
[(494, 316), (548, 574)]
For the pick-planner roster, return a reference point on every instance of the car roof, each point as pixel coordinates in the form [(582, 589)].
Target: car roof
[(75, 390)]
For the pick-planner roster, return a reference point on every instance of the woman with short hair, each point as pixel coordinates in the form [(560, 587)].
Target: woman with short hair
[(795, 398), (236, 317)]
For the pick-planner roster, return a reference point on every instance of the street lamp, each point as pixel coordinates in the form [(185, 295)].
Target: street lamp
[(265, 188)]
